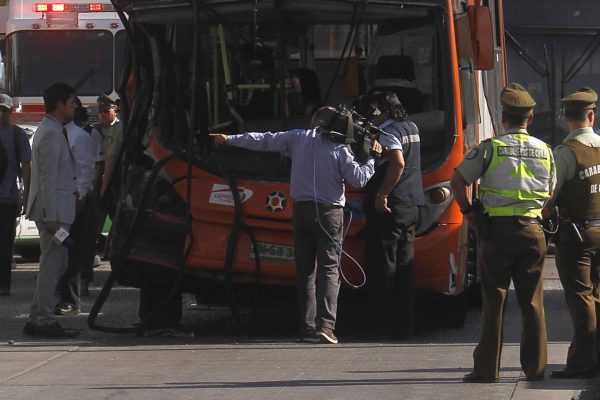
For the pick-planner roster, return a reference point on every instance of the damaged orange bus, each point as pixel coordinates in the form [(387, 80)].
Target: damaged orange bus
[(187, 211)]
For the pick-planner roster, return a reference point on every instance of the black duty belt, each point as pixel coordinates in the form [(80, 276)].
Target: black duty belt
[(588, 223), (518, 220), (322, 206)]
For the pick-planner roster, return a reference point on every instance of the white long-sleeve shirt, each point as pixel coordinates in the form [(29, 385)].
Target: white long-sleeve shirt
[(82, 147)]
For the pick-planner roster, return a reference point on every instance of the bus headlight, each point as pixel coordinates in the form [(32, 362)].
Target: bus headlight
[(437, 198)]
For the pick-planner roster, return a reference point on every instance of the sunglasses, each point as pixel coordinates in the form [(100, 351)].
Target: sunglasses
[(105, 109)]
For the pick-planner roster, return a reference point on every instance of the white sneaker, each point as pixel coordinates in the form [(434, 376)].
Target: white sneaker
[(327, 336), (97, 261)]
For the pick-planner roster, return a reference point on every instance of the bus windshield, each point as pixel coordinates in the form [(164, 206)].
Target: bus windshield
[(263, 80), (83, 59)]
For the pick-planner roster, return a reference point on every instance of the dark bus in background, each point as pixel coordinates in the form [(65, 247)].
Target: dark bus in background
[(552, 48)]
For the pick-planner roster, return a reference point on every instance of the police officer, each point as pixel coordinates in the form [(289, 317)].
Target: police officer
[(112, 131), (392, 198), (517, 179), (578, 196)]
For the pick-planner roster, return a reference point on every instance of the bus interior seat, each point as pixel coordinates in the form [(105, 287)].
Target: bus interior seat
[(397, 74)]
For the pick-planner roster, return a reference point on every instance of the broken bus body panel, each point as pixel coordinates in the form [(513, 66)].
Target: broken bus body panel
[(228, 66)]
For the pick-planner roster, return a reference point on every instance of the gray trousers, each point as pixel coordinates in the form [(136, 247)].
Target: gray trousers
[(318, 284), (54, 260)]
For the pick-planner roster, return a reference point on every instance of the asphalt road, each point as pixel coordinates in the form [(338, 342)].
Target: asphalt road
[(259, 357)]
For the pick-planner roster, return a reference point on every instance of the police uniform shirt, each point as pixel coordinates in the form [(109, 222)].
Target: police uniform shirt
[(565, 159), (113, 137), (473, 165), (478, 159), (98, 142)]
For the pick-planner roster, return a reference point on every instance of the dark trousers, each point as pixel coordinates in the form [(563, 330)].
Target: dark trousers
[(153, 293), (92, 215), (79, 257), (317, 236), (516, 252), (8, 219), (390, 257), (579, 270)]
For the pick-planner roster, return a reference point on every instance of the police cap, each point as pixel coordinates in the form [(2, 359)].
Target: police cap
[(584, 99), (106, 102), (6, 101), (516, 100)]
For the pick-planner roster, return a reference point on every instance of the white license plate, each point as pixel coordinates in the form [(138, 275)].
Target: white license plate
[(273, 252)]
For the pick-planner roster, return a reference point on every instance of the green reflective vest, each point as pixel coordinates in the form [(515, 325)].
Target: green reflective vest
[(520, 177)]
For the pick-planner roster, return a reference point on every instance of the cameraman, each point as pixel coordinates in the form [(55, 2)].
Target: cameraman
[(319, 169), (391, 204)]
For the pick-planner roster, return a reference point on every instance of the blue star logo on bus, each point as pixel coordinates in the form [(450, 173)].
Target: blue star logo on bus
[(275, 202)]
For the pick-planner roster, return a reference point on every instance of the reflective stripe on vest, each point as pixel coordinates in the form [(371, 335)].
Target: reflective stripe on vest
[(517, 181)]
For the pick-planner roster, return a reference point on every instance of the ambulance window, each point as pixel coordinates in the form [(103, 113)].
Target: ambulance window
[(83, 59), (120, 56)]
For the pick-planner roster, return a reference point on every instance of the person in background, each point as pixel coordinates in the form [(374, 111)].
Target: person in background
[(305, 98), (393, 196), (517, 179), (95, 214), (51, 205), (17, 154), (578, 240), (112, 132), (81, 145)]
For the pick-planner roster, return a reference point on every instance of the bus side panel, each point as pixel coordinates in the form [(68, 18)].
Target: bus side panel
[(437, 264)]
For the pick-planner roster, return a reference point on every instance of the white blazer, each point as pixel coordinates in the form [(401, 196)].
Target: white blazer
[(53, 177)]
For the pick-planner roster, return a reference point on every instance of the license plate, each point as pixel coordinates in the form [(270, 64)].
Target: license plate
[(273, 252)]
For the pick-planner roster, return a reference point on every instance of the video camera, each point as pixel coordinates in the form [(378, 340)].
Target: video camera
[(345, 125)]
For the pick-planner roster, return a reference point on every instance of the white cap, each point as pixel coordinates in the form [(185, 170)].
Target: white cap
[(6, 101)]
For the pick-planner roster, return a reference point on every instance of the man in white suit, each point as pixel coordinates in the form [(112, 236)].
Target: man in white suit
[(51, 205)]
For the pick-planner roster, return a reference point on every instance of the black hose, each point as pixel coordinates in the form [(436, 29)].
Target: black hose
[(101, 299), (236, 225), (176, 286)]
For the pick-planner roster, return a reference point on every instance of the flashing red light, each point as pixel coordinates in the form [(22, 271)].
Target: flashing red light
[(58, 7), (95, 7), (40, 7)]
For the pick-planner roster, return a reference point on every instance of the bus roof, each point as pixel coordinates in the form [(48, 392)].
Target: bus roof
[(233, 11)]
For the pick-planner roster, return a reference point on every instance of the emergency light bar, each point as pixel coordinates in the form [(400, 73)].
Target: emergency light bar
[(66, 7)]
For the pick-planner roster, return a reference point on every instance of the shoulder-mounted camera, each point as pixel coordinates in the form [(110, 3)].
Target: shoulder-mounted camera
[(346, 126)]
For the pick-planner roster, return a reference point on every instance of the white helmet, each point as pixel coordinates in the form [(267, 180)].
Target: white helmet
[(6, 101)]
